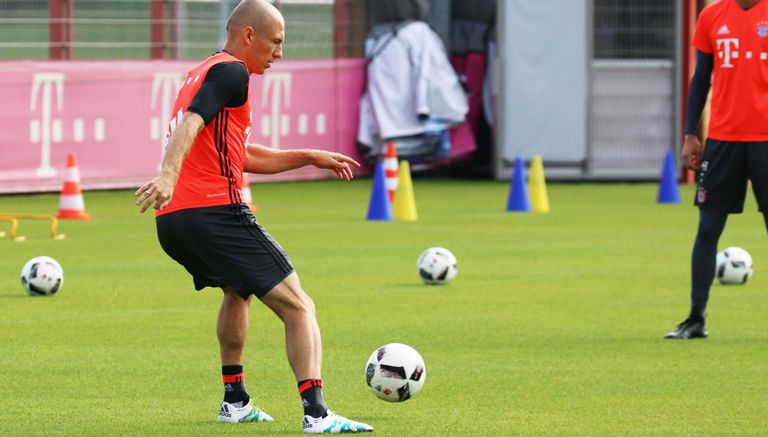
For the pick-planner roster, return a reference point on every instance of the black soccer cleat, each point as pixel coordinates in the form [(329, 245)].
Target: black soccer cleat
[(689, 329)]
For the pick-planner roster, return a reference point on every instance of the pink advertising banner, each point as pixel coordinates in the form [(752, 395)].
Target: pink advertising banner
[(113, 116)]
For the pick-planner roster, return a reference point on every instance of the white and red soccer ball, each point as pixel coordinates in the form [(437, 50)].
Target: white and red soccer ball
[(437, 265), (395, 372), (733, 266), (42, 276)]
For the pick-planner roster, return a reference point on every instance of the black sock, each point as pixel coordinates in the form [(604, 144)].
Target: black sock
[(711, 225), (311, 392), (234, 386)]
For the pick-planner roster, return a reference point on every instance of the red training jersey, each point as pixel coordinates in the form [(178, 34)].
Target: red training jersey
[(212, 172), (738, 39)]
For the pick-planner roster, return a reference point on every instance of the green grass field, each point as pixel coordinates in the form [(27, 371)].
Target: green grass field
[(553, 325)]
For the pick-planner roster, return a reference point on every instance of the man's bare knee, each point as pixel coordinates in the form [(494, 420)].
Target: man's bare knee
[(289, 301), (308, 305), (300, 305), (294, 305)]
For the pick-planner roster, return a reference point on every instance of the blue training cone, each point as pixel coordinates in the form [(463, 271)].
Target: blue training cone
[(669, 192), (379, 207), (518, 191)]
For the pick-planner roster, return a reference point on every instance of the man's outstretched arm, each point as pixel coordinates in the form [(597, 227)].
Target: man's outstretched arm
[(263, 160)]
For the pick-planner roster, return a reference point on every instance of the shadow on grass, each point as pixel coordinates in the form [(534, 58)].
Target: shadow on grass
[(418, 285), (258, 428)]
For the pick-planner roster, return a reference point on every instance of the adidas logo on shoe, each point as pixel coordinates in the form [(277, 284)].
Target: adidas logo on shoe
[(224, 411), (333, 424), (230, 413)]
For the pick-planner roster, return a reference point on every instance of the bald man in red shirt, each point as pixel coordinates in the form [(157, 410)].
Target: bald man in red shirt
[(203, 223), (731, 42)]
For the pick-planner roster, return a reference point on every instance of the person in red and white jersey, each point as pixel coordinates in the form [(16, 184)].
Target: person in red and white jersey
[(204, 224), (731, 42)]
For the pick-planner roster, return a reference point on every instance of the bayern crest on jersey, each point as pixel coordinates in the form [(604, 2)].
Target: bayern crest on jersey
[(762, 29), (701, 195)]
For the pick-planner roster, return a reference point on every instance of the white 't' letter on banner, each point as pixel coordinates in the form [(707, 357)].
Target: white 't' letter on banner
[(165, 86), (41, 129), (279, 86)]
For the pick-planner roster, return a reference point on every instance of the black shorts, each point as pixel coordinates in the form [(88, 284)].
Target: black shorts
[(224, 246), (725, 169)]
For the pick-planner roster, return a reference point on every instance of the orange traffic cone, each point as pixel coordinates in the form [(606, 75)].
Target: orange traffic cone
[(71, 204), (246, 192), (390, 171)]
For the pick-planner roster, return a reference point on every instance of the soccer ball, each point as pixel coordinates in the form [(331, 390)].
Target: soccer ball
[(42, 276), (437, 265), (734, 266), (395, 372)]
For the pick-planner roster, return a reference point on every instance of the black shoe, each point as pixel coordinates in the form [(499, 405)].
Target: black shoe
[(690, 328)]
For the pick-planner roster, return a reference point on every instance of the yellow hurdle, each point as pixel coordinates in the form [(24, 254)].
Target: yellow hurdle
[(13, 218), (14, 227)]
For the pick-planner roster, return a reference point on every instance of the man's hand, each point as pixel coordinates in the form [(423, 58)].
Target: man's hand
[(156, 193), (692, 152), (338, 163)]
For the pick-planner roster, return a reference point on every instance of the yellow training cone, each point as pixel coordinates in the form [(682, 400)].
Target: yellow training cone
[(404, 205), (537, 187)]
